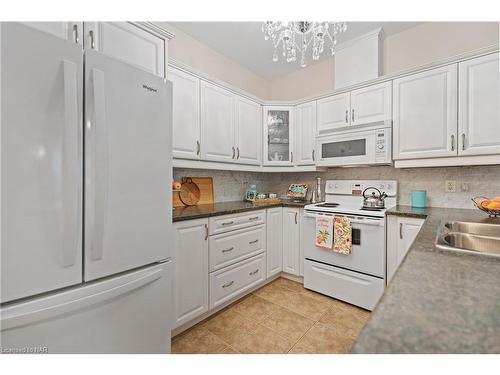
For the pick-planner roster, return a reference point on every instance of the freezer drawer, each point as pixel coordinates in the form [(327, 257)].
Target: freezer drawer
[(130, 313), (352, 287), (226, 223), (231, 247), (229, 282)]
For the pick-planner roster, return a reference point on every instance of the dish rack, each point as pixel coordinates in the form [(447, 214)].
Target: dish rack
[(490, 212)]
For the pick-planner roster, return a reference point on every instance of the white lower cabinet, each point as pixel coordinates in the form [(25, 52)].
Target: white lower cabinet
[(274, 229), (234, 280), (190, 259), (291, 240), (401, 232)]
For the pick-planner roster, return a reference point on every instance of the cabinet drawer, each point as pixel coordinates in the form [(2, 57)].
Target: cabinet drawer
[(230, 247), (228, 283), (356, 288), (226, 223)]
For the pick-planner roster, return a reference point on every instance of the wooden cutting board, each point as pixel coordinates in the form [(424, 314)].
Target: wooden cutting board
[(206, 186)]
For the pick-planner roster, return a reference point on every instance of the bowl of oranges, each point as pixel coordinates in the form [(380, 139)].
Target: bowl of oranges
[(490, 206)]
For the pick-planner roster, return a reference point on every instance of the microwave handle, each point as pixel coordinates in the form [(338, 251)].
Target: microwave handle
[(375, 222)]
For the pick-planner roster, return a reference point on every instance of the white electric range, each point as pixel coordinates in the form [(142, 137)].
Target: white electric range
[(357, 278)]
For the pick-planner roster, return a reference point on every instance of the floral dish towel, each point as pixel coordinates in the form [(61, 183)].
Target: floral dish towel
[(324, 232), (342, 241)]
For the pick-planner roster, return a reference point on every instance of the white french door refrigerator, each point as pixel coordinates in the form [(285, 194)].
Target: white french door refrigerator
[(85, 199)]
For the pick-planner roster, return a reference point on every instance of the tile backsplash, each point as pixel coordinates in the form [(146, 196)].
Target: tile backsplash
[(479, 180)]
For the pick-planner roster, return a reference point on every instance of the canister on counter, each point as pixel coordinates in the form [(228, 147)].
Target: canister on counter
[(418, 198)]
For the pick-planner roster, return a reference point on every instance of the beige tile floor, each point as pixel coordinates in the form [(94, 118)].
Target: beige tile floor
[(281, 317)]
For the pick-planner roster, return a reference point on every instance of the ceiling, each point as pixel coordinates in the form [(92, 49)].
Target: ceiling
[(244, 42)]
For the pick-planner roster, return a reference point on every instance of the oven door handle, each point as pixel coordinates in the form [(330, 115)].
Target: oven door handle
[(374, 222)]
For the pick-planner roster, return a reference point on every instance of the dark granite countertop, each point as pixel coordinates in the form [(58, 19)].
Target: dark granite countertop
[(224, 208), (438, 301)]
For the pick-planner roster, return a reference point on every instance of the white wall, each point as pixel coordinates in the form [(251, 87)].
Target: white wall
[(422, 44), (202, 58)]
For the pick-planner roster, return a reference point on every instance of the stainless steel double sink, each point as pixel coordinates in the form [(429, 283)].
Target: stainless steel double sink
[(469, 237)]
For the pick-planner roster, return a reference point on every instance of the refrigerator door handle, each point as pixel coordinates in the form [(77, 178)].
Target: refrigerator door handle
[(32, 316), (72, 209), (98, 164)]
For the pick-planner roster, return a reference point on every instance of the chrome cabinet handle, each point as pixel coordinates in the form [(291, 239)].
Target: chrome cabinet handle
[(75, 32), (237, 152), (352, 114), (346, 116), (92, 39), (227, 285), (296, 218), (234, 151), (463, 141), (206, 232), (253, 272), (228, 250), (314, 155), (253, 218), (452, 142), (228, 223), (197, 147), (401, 230), (254, 241), (291, 157)]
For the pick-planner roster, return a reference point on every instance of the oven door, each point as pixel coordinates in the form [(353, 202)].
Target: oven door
[(368, 239), (347, 148)]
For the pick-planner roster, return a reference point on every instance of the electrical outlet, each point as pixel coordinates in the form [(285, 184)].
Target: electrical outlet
[(450, 186)]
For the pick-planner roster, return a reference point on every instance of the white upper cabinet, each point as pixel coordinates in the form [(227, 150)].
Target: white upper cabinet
[(425, 114), (128, 43), (333, 112), (248, 117), (479, 113), (186, 114), (65, 30), (305, 130), (217, 123), (371, 104), (278, 135)]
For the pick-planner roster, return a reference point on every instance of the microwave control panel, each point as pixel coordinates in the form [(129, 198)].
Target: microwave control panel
[(383, 145)]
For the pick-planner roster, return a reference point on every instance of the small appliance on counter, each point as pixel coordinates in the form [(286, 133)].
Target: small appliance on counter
[(373, 201)]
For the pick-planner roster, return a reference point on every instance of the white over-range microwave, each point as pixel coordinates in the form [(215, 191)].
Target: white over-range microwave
[(355, 147)]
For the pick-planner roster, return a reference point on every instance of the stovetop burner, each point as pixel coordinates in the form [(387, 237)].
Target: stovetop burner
[(327, 205)]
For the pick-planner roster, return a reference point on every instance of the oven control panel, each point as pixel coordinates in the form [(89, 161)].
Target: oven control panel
[(356, 187)]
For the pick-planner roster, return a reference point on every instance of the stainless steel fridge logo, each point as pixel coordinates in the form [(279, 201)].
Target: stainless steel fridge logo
[(149, 88)]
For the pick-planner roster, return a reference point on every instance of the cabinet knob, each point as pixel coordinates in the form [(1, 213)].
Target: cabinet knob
[(197, 147), (234, 152), (401, 230), (463, 141), (346, 116), (352, 115), (227, 285), (453, 142), (314, 155)]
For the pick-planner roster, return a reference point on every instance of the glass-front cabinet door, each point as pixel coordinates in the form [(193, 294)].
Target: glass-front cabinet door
[(278, 134)]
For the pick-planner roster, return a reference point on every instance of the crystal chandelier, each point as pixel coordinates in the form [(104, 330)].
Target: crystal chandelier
[(296, 37)]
